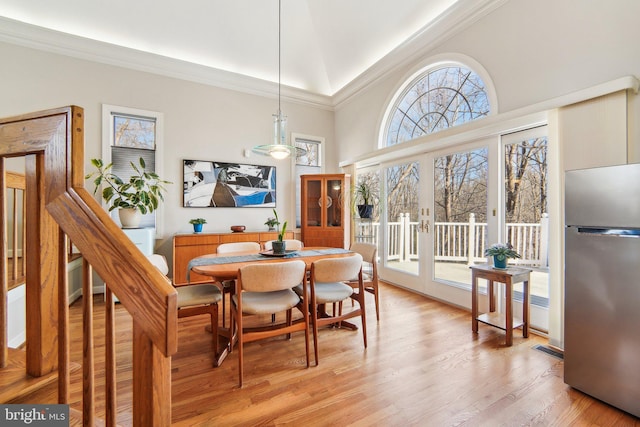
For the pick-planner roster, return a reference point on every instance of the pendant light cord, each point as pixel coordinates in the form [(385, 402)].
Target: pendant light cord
[(279, 51)]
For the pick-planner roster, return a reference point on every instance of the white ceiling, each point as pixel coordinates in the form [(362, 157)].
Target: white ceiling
[(325, 43)]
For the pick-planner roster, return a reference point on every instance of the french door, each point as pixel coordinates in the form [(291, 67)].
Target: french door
[(428, 201), (439, 212)]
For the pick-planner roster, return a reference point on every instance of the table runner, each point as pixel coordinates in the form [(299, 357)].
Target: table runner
[(196, 262)]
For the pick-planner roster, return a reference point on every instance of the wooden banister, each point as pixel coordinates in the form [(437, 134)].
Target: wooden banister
[(58, 205)]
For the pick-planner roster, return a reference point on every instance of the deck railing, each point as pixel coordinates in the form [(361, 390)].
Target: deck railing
[(459, 241)]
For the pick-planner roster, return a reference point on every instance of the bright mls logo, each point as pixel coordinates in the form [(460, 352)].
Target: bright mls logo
[(34, 415)]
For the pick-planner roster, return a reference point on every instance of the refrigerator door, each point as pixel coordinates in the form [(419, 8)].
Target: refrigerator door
[(603, 197), (602, 314)]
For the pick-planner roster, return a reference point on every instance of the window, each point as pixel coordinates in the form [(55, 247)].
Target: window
[(310, 163), (437, 99), (127, 135)]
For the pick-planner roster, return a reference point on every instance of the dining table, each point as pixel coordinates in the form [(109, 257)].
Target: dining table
[(222, 267)]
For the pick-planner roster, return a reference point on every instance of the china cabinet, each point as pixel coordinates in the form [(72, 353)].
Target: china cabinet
[(325, 210)]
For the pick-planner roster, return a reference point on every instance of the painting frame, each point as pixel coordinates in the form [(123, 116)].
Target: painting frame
[(216, 184)]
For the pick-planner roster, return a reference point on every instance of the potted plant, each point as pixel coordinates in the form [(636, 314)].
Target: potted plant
[(271, 223), (138, 196), (279, 246), (363, 191), (197, 224), (500, 252)]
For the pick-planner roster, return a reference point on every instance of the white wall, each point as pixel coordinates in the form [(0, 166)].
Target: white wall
[(532, 50), (201, 122)]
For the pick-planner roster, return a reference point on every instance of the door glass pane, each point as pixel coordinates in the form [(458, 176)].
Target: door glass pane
[(313, 203), (367, 228), (333, 203), (401, 250), (526, 218), (460, 214)]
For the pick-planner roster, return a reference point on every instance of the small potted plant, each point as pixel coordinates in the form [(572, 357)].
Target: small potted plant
[(197, 224), (500, 252), (271, 223), (279, 246), (138, 196)]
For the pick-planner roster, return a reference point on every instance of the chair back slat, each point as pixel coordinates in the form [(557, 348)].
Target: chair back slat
[(272, 276), (336, 269)]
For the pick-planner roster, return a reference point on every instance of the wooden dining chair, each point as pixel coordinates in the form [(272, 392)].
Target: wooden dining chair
[(262, 289), (290, 245), (327, 286), (228, 285), (195, 299), (369, 254)]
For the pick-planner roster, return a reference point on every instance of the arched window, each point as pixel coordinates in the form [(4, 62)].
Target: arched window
[(437, 99)]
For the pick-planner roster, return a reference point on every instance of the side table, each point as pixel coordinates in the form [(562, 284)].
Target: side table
[(509, 276)]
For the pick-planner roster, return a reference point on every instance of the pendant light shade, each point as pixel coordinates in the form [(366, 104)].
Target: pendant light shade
[(279, 149)]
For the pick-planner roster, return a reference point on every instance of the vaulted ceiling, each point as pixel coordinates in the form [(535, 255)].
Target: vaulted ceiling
[(325, 44)]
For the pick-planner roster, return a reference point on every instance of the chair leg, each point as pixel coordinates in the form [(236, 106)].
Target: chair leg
[(375, 295), (238, 324), (363, 316), (314, 328), (289, 320), (224, 311), (306, 343), (214, 332)]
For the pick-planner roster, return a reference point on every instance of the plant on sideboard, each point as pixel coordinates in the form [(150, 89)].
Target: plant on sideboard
[(197, 224), (271, 223)]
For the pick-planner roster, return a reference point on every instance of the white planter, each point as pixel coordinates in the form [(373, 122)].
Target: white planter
[(129, 217)]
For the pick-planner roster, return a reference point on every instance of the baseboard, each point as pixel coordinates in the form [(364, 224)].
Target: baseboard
[(18, 340)]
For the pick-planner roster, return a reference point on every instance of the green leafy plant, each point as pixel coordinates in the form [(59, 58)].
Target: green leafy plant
[(143, 191), (501, 250), (364, 192), (271, 222), (197, 221), (277, 223), (281, 233)]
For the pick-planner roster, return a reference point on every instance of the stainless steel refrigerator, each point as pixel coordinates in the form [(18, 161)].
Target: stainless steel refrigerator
[(602, 284)]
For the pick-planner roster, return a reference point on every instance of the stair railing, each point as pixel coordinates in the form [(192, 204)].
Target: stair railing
[(57, 206)]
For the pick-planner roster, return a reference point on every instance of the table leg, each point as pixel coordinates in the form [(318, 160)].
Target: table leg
[(223, 351), (509, 311), (492, 299), (474, 303)]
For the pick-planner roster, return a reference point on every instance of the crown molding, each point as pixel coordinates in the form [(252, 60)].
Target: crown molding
[(459, 16), (35, 37)]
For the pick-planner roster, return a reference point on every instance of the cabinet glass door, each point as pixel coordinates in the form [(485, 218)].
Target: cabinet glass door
[(314, 203), (333, 203)]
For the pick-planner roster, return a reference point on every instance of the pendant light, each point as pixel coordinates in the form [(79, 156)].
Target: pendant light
[(279, 149)]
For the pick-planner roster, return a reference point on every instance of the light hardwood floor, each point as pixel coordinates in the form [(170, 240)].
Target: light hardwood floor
[(423, 367)]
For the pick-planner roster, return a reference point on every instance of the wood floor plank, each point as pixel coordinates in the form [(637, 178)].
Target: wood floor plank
[(423, 367)]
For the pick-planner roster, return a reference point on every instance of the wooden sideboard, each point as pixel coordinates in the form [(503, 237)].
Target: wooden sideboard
[(190, 245)]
